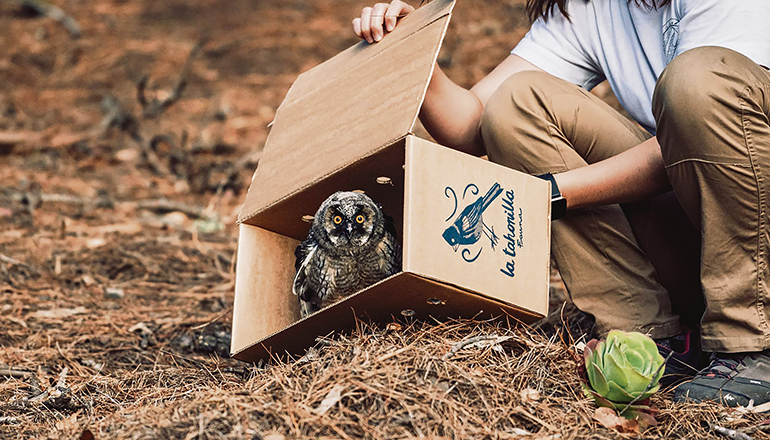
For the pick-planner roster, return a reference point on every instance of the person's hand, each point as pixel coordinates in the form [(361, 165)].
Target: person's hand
[(380, 19)]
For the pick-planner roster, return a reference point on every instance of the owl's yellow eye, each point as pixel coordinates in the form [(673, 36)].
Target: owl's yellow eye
[(337, 219), (359, 218)]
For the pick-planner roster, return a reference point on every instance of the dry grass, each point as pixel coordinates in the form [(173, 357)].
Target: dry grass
[(407, 381)]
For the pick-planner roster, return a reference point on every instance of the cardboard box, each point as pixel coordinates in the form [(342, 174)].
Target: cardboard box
[(347, 125)]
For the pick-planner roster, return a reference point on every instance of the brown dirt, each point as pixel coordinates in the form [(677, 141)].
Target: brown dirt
[(116, 260)]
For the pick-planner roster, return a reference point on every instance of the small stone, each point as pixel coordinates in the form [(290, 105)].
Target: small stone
[(113, 293), (94, 243), (127, 155), (175, 218)]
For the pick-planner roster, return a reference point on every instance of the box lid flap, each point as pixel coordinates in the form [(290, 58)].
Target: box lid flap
[(349, 107)]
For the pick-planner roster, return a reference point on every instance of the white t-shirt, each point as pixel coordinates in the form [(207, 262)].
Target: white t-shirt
[(630, 45)]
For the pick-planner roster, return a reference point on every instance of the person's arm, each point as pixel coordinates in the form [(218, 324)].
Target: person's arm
[(635, 174), (450, 113)]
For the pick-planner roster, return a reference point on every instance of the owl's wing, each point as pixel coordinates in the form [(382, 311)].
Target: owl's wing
[(390, 225), (304, 253)]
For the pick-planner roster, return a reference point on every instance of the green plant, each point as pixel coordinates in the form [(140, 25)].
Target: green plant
[(623, 369)]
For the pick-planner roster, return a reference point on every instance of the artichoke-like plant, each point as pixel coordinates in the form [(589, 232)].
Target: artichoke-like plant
[(624, 368)]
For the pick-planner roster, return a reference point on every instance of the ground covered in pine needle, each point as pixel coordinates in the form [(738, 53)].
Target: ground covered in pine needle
[(408, 380), (129, 131)]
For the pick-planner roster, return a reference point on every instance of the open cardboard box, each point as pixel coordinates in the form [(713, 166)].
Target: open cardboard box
[(347, 125)]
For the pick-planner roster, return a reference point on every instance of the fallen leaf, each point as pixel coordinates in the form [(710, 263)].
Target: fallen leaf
[(520, 432), (209, 225), (64, 139), (645, 419), (141, 327), (58, 313), (394, 327), (330, 400), (608, 418), (21, 322), (529, 395), (68, 423)]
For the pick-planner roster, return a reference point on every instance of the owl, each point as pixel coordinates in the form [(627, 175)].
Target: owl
[(351, 245)]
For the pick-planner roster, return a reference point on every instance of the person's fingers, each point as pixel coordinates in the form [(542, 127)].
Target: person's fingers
[(366, 24), (357, 27), (378, 17), (396, 9)]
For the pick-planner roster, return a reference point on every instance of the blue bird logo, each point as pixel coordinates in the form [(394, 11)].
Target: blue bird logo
[(467, 227)]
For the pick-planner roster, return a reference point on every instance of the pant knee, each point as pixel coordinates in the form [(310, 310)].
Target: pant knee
[(513, 112), (521, 93), (699, 101), (699, 83)]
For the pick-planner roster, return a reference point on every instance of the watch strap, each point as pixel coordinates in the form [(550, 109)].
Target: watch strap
[(558, 202)]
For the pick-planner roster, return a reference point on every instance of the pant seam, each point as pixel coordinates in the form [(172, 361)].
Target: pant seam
[(732, 344), (761, 208), (708, 161)]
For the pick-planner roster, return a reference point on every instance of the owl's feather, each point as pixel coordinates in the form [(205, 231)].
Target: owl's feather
[(351, 245)]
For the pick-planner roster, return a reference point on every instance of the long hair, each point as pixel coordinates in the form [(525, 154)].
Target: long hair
[(545, 8)]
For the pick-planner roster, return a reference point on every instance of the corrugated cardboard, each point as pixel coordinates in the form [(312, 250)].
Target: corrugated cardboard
[(347, 108), (346, 125)]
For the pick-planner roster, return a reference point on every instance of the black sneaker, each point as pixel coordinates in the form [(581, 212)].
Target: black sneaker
[(686, 357), (731, 379)]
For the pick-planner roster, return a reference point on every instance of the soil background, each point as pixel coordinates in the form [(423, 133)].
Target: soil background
[(129, 131)]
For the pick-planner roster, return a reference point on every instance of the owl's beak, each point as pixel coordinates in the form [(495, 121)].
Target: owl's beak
[(349, 230)]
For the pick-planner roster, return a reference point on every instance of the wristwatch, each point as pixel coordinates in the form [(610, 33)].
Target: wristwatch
[(558, 202)]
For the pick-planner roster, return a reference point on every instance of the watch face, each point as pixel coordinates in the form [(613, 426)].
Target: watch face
[(558, 207)]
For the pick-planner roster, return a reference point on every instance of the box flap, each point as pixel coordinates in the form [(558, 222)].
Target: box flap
[(263, 303), (286, 216), (348, 107)]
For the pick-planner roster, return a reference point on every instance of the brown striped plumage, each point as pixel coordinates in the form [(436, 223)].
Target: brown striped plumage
[(351, 245)]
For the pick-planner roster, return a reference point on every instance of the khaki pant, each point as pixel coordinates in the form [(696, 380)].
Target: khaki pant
[(648, 266)]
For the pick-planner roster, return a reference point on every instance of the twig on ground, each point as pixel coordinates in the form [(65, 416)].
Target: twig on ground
[(54, 13), (9, 371), (462, 344), (6, 259), (730, 433), (14, 262), (527, 414), (154, 108), (164, 206), (56, 391), (249, 161)]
